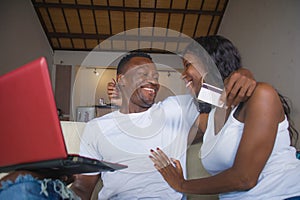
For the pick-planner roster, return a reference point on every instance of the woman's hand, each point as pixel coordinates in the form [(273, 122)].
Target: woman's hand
[(170, 169), (239, 86)]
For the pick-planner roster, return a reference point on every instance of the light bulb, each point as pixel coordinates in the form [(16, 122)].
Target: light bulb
[(95, 72)]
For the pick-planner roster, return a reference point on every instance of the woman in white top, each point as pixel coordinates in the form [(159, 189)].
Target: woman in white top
[(249, 156)]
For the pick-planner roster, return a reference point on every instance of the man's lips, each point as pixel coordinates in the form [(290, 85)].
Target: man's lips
[(149, 89)]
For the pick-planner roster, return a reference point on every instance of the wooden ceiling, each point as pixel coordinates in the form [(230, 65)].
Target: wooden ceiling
[(84, 24)]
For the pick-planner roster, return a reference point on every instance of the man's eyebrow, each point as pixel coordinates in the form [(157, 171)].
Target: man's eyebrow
[(143, 66)]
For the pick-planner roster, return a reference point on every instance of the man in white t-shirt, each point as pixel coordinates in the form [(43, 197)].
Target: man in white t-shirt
[(126, 135)]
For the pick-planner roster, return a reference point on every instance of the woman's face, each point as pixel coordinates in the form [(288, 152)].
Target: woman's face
[(193, 73)]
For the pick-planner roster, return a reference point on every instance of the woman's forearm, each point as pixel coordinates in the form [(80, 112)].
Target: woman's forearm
[(226, 181)]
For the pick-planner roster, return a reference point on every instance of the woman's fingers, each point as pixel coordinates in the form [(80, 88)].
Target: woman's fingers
[(239, 86), (165, 159), (170, 169), (159, 158), (177, 165)]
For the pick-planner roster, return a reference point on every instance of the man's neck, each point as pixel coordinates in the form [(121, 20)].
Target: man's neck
[(128, 107)]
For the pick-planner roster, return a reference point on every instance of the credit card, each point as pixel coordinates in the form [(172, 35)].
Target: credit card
[(211, 94)]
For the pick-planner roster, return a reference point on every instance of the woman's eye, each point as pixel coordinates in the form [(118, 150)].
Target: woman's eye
[(187, 65)]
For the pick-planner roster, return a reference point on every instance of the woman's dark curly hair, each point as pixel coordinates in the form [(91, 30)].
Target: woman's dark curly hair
[(227, 59), (224, 54)]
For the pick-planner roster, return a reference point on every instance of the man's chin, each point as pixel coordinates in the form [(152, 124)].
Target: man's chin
[(149, 103)]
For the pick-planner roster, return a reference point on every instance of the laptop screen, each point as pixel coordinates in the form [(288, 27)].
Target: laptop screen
[(30, 128)]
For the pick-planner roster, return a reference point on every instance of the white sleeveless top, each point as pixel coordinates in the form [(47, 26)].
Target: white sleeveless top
[(280, 177)]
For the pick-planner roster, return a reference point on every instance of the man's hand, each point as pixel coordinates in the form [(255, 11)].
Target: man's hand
[(113, 93), (67, 179), (84, 185), (239, 86)]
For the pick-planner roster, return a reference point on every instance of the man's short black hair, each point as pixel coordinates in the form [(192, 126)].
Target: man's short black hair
[(125, 59)]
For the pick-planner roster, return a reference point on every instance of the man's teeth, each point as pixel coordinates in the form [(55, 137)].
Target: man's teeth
[(188, 84), (149, 89)]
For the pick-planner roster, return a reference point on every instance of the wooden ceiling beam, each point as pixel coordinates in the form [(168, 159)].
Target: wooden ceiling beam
[(128, 9), (148, 50), (120, 37), (197, 21)]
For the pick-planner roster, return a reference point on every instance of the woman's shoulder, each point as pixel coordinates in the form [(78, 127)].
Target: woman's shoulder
[(264, 97), (265, 90)]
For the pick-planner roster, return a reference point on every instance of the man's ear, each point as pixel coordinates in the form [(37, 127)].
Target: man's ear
[(120, 80)]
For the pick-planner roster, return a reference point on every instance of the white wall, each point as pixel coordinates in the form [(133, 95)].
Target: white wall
[(267, 34), (22, 37), (95, 58)]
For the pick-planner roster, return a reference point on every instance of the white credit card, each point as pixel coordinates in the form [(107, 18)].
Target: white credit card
[(211, 94)]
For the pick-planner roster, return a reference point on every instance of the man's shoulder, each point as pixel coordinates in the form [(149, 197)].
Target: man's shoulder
[(178, 99), (101, 124), (103, 118), (106, 116)]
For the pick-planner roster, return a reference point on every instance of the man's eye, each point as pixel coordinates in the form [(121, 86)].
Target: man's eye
[(142, 74)]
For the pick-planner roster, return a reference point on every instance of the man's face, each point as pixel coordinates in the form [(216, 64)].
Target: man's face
[(141, 81), (193, 73)]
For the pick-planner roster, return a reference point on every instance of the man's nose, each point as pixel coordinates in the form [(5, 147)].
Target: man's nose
[(152, 80)]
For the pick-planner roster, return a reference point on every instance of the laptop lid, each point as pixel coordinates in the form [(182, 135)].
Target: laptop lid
[(30, 128), (31, 137)]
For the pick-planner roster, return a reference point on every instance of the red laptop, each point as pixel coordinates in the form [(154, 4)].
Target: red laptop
[(31, 137)]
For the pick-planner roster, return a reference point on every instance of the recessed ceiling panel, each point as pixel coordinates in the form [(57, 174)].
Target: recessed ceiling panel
[(83, 24)]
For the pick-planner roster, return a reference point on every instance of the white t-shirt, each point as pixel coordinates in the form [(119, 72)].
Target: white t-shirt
[(128, 138), (281, 174)]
